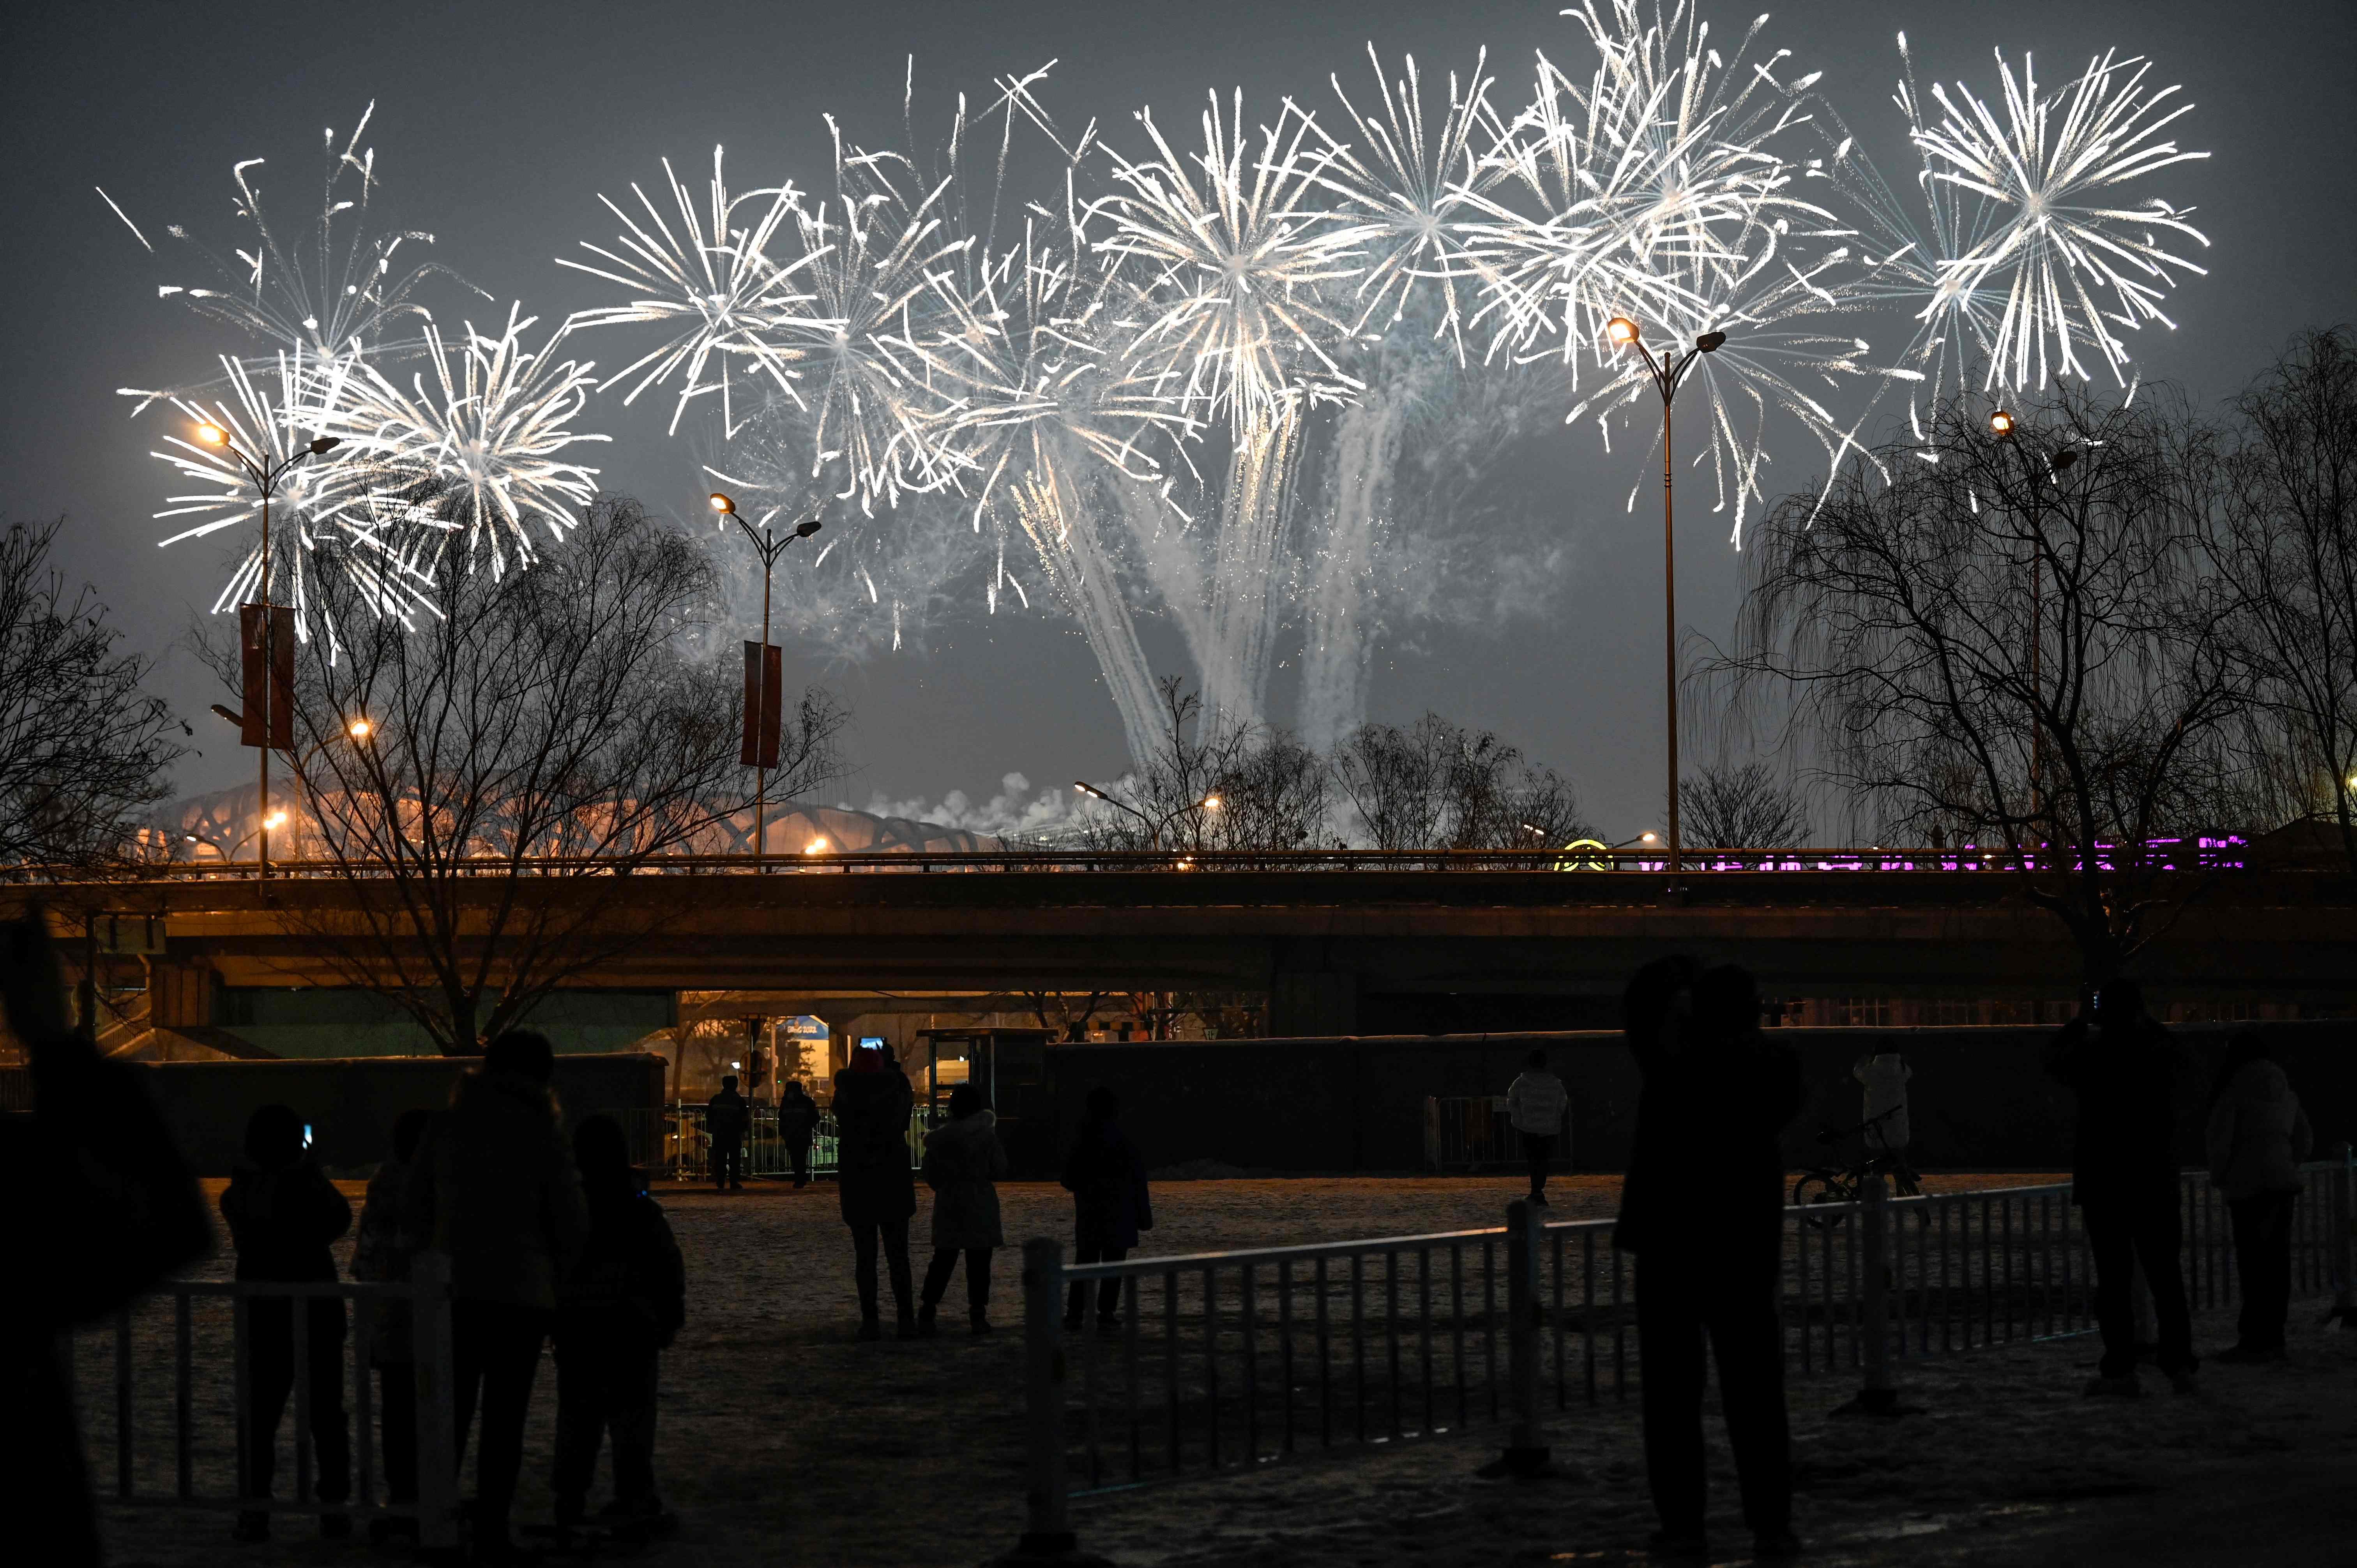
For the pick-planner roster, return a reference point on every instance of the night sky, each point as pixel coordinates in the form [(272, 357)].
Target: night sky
[(498, 125)]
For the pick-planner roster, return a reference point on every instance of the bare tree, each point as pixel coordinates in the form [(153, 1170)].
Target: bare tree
[(1433, 784), (530, 740), (2288, 549), (83, 750), (1742, 808), (2019, 636), (1213, 786)]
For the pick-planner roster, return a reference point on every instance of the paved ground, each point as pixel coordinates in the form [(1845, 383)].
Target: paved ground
[(786, 1443)]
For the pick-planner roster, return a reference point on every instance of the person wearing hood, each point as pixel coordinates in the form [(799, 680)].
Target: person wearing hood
[(495, 1188), (1107, 1177), (874, 1186), (282, 1214), (2123, 1067), (963, 1161), (381, 1251), (2257, 1136), (619, 1309)]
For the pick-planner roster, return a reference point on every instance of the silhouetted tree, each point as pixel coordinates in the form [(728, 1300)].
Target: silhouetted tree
[(1433, 784), (1749, 807), (83, 750), (535, 738), (2019, 637)]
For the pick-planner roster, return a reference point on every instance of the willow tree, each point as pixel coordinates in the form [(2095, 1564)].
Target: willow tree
[(2016, 637)]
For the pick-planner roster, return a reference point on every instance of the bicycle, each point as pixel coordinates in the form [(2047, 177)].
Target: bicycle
[(1842, 1183)]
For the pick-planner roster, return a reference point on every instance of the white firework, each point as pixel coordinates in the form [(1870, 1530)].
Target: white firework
[(713, 281), (2073, 265), (336, 288), (475, 448)]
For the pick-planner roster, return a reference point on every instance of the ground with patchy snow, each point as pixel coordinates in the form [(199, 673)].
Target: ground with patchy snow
[(784, 1442)]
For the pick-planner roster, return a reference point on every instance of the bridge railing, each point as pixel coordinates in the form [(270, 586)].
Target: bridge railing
[(2167, 855)]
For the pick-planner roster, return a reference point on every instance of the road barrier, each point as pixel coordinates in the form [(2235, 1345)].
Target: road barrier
[(672, 1143), (204, 1415), (1217, 1362), (1474, 1132)]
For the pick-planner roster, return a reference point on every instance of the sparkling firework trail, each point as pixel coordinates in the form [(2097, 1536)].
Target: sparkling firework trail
[(2073, 267)]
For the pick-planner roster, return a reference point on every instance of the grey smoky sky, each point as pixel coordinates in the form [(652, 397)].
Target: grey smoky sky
[(498, 124)]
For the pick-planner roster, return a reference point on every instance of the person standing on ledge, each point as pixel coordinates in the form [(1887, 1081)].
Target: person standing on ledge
[(1537, 1102), (726, 1118), (874, 1181)]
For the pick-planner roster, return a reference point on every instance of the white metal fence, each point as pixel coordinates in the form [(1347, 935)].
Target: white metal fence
[(1230, 1361), (185, 1446), (1473, 1133)]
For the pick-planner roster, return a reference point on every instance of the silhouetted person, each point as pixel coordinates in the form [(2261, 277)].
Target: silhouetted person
[(103, 1208), (874, 1182), (1702, 1208), (495, 1188), (2124, 1066), (282, 1214), (797, 1120), (726, 1119), (963, 1161), (619, 1308), (1536, 1103), (381, 1251), (1884, 1077), (1107, 1177), (2256, 1138)]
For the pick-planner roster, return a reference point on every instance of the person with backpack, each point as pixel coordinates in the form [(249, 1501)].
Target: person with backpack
[(1701, 1208), (1107, 1177), (282, 1214), (381, 1251), (2257, 1136), (726, 1118), (1537, 1103), (620, 1308), (963, 1161), (2123, 1067)]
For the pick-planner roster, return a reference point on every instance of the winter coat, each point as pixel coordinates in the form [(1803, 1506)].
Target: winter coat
[(1107, 1177), (2124, 1075), (281, 1221), (872, 1182), (381, 1255), (1885, 1078), (963, 1160), (628, 1290), (1705, 1176), (725, 1117), (2258, 1134), (495, 1187), (1536, 1102), (797, 1118)]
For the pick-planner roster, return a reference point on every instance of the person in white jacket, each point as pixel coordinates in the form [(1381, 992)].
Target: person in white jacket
[(1885, 1077), (1538, 1105), (2257, 1136)]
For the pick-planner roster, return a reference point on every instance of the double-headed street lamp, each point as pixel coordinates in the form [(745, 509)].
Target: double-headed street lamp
[(758, 727), (1667, 374), (2002, 425), (265, 475), (1211, 803)]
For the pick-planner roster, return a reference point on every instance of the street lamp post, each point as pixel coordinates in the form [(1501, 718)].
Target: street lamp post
[(266, 476), (2002, 425), (769, 547), (1667, 374), (1211, 803)]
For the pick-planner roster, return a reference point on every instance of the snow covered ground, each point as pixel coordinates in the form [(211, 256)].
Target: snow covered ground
[(784, 1442)]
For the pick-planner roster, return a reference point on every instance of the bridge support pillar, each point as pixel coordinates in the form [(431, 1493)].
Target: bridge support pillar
[(1313, 1001)]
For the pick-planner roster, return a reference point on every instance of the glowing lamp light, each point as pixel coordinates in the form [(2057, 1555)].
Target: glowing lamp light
[(815, 846), (723, 505), (2000, 423), (212, 436), (1212, 802), (1651, 838), (276, 820), (1621, 330)]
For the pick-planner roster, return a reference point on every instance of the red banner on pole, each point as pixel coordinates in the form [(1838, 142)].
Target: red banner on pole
[(764, 705)]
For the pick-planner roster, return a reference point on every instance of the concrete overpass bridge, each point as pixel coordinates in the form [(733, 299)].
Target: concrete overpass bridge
[(1339, 945)]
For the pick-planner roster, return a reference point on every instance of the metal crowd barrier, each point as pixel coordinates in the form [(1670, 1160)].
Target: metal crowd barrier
[(1473, 1133), (673, 1143), (1227, 1362), (201, 1418)]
